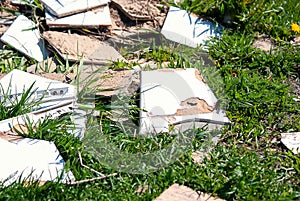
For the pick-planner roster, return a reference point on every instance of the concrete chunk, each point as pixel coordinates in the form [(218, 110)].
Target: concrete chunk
[(74, 47), (178, 192)]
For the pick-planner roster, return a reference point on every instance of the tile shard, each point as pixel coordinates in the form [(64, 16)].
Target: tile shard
[(177, 98), (53, 92), (291, 141), (185, 28), (23, 36), (92, 18), (62, 8), (31, 160)]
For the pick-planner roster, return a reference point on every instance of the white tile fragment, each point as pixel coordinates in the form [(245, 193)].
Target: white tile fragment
[(177, 97), (93, 18), (24, 36), (53, 92), (31, 159), (21, 2), (186, 28), (62, 8), (291, 141)]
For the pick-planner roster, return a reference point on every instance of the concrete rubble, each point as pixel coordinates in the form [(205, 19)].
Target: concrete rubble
[(184, 109), (291, 141), (188, 29), (74, 47), (163, 101), (178, 192)]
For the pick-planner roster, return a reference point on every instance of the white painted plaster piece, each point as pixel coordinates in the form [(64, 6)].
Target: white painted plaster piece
[(62, 8), (92, 18), (31, 159), (291, 141), (168, 99), (52, 92), (186, 28), (24, 36)]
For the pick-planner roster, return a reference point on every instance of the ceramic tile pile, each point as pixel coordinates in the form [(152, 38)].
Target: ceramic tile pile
[(177, 98), (31, 159)]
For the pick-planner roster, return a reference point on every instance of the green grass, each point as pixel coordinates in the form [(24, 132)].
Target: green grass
[(249, 162)]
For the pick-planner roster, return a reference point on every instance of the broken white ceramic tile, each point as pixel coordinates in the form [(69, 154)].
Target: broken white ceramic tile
[(177, 97), (291, 141), (178, 192), (62, 8), (24, 36), (76, 47), (31, 160), (52, 92), (93, 18), (186, 28)]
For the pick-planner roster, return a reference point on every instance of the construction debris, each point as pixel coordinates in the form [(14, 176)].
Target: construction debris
[(52, 92), (74, 47), (24, 36), (178, 192), (31, 160), (92, 18), (188, 29), (291, 141), (111, 82), (64, 8), (163, 103), (166, 105)]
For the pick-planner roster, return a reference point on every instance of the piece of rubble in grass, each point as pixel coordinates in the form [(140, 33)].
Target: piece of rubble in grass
[(178, 192), (291, 141), (31, 160), (24, 36), (295, 41), (92, 18), (264, 43), (52, 92), (179, 99), (74, 47), (110, 82), (62, 8), (188, 29)]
